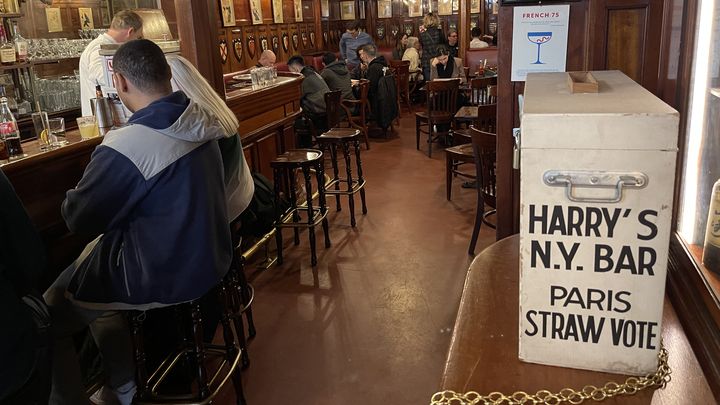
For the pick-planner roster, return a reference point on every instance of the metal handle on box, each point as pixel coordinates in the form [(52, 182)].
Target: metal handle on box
[(571, 179)]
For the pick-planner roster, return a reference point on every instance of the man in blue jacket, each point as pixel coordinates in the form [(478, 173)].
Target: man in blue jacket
[(350, 42), (153, 195)]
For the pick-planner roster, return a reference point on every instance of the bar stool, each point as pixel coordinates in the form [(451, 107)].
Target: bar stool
[(284, 167), (193, 350), (241, 300), (343, 137)]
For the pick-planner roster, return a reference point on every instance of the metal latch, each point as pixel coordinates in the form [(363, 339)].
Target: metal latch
[(572, 179), (516, 148)]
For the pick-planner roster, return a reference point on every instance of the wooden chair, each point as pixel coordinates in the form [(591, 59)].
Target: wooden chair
[(437, 119), (462, 153), (484, 145), (401, 69), (479, 89), (362, 106), (333, 109)]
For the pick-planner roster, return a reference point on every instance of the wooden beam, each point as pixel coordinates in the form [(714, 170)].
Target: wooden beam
[(463, 28), (197, 22)]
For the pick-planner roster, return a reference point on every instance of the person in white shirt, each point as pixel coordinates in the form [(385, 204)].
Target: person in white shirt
[(125, 26), (411, 54), (476, 41)]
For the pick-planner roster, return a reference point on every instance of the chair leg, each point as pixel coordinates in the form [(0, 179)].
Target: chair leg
[(365, 134), (333, 156), (136, 322), (320, 172), (236, 301), (224, 291), (199, 350), (479, 211), (417, 132), (430, 137), (278, 229), (348, 173), (448, 175), (361, 179), (310, 214)]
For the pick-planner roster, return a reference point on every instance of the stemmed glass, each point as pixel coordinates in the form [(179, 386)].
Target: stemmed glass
[(539, 38)]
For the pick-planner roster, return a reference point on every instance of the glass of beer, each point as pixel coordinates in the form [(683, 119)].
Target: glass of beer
[(87, 126)]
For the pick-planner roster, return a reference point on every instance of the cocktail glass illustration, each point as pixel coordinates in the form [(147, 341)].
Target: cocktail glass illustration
[(539, 38)]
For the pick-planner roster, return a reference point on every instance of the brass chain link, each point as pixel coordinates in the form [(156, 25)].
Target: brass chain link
[(632, 385)]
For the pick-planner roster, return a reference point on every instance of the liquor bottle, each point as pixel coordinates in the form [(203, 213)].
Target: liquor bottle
[(21, 45), (7, 50), (98, 91), (711, 252), (8, 128), (23, 105)]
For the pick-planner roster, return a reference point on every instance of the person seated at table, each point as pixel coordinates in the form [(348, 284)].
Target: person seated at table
[(376, 68), (401, 44), (476, 42), (267, 59), (337, 76), (445, 67), (312, 100), (153, 196), (452, 43), (382, 99), (412, 54)]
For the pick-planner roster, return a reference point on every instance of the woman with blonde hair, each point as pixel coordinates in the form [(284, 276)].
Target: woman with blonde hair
[(412, 54), (239, 186), (430, 39)]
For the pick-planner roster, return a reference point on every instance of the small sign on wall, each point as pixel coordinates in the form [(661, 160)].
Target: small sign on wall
[(227, 9), (277, 11), (298, 11), (256, 11), (54, 21), (415, 8), (539, 40), (347, 10), (385, 9), (86, 18)]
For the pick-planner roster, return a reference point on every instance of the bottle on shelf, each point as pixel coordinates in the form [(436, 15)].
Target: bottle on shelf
[(7, 50), (9, 129), (711, 252), (21, 45), (23, 105)]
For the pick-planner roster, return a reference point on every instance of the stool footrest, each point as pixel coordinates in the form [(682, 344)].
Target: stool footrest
[(287, 222), (357, 185)]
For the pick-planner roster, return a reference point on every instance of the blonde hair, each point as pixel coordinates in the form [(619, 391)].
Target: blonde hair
[(186, 78), (126, 19), (431, 20)]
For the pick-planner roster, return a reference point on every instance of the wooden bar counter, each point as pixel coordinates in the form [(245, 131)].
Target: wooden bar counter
[(483, 355), (43, 177)]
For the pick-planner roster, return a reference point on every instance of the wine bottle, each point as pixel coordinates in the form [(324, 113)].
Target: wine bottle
[(7, 50), (711, 252), (21, 45)]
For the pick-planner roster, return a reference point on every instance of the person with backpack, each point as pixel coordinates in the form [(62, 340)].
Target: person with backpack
[(382, 94)]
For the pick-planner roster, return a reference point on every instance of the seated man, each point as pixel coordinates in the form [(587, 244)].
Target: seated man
[(267, 59), (382, 93), (476, 42), (375, 67), (336, 76), (154, 198), (312, 100)]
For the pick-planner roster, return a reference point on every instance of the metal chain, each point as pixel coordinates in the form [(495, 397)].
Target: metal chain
[(631, 386)]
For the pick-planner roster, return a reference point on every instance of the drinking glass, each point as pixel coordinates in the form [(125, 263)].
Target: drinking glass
[(87, 126), (41, 125), (57, 131)]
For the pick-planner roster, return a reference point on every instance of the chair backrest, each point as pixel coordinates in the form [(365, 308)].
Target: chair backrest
[(332, 108), (492, 94), (401, 69), (363, 91), (442, 96), (486, 118), (479, 89), (484, 151), (397, 62)]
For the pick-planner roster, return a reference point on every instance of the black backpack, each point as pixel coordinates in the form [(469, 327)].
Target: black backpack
[(386, 101), (259, 217)]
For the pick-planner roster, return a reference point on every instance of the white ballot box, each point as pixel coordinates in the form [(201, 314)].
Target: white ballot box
[(597, 175)]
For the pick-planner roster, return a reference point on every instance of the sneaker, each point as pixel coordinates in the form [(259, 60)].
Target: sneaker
[(122, 395)]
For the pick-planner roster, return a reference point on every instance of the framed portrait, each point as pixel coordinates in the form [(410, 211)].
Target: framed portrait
[(277, 8), (86, 18), (384, 9), (256, 11), (54, 21), (324, 8), (227, 9), (347, 10), (445, 7), (415, 8), (474, 6), (361, 9), (298, 10)]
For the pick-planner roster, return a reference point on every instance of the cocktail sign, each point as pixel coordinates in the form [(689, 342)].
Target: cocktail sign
[(539, 38)]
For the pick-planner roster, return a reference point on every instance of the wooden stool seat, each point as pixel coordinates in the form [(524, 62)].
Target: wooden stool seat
[(343, 138), (284, 168)]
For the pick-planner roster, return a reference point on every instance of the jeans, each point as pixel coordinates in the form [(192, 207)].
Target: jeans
[(110, 331)]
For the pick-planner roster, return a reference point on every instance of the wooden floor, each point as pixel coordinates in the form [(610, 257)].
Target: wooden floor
[(372, 322)]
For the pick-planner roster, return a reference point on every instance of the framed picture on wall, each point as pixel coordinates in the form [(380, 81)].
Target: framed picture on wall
[(256, 11), (277, 7), (347, 10), (415, 8), (474, 6), (324, 9), (445, 7), (86, 18), (361, 9), (227, 9), (298, 10), (384, 9)]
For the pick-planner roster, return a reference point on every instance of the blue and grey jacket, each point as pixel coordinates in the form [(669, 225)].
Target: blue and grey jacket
[(154, 192)]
